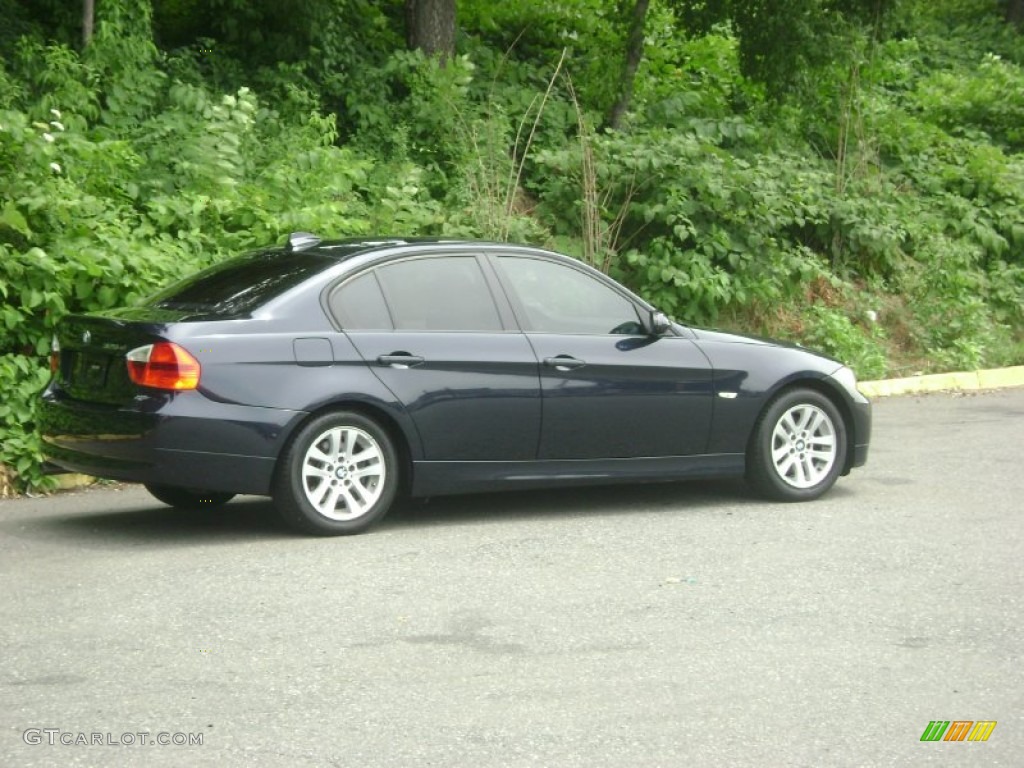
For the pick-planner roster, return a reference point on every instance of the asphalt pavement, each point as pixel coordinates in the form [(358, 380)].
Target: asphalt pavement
[(660, 625)]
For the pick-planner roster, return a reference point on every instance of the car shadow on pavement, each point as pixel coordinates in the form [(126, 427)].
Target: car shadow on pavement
[(150, 522), (621, 499), (252, 518)]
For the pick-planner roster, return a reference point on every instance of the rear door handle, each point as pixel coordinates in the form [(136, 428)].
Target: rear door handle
[(400, 360), (564, 362)]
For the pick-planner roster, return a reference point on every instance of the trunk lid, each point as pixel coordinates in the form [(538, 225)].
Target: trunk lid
[(93, 348)]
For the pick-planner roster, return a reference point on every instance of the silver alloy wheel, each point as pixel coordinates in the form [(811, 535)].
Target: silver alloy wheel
[(343, 473), (804, 446)]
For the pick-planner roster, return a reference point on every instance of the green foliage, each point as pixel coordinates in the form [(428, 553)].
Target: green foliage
[(704, 228), (525, 40), (417, 110), (333, 46), (833, 332), (985, 99), (22, 379), (947, 295), (782, 42), (686, 79)]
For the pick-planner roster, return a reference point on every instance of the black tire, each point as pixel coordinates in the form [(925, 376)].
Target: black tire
[(798, 448), (189, 498), (336, 496)]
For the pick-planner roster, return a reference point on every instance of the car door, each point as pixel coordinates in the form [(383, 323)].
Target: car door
[(430, 329), (609, 389)]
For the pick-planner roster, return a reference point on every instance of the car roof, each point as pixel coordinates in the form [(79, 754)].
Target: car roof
[(374, 250), (343, 249)]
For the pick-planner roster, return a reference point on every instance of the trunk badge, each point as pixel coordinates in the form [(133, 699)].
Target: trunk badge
[(86, 337)]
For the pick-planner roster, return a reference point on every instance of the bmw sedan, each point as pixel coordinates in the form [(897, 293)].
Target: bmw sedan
[(335, 375)]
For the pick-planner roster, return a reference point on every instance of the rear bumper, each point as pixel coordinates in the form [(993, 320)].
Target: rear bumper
[(187, 469), (154, 440)]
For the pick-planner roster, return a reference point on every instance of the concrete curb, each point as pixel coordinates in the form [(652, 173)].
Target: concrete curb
[(73, 481), (993, 378)]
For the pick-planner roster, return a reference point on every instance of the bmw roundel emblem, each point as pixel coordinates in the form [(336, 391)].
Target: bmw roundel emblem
[(86, 337)]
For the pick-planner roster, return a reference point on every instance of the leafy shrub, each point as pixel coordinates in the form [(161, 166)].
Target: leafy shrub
[(832, 332), (416, 110), (985, 99), (955, 325), (21, 380), (705, 229)]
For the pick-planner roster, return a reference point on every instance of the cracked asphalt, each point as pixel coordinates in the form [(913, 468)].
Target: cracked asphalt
[(657, 625)]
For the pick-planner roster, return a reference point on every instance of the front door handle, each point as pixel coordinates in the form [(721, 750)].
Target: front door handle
[(400, 360), (564, 362)]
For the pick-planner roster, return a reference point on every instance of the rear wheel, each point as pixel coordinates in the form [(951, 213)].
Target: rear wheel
[(188, 498), (338, 476), (798, 449)]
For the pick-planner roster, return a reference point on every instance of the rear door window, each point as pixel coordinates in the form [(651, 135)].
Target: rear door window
[(445, 293)]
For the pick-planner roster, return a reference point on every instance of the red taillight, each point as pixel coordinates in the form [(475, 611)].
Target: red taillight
[(163, 365), (54, 355)]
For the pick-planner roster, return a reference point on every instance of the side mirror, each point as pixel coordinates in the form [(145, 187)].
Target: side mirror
[(658, 323)]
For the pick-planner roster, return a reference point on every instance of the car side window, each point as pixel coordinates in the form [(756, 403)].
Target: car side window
[(446, 293), (359, 305), (559, 299)]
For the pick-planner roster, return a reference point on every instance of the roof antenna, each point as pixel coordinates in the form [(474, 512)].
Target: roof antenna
[(300, 241)]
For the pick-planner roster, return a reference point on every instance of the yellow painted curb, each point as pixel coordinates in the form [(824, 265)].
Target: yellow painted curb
[(994, 378), (72, 481)]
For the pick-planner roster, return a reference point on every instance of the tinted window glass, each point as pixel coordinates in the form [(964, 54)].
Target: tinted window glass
[(439, 294), (560, 299), (359, 305), (240, 285)]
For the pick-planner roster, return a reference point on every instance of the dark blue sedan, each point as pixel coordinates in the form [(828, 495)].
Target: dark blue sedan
[(332, 375)]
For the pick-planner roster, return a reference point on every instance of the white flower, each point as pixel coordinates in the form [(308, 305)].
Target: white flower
[(55, 113), (48, 137), (55, 167), (58, 125)]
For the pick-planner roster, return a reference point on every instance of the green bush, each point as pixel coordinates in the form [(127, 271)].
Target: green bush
[(947, 297), (834, 333), (21, 380)]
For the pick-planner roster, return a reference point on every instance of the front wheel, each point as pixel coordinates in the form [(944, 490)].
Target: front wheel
[(188, 498), (338, 476), (798, 449)]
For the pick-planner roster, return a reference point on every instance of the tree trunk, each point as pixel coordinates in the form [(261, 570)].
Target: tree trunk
[(430, 26), (88, 16), (634, 52)]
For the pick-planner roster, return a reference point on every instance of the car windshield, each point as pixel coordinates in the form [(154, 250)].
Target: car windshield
[(240, 285)]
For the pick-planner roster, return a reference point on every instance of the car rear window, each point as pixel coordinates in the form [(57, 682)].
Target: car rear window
[(240, 285)]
